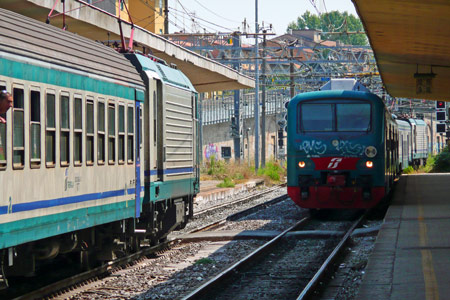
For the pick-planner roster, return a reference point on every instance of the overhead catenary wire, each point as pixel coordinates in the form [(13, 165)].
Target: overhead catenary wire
[(218, 15), (191, 15)]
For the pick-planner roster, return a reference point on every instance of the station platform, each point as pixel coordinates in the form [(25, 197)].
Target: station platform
[(411, 256)]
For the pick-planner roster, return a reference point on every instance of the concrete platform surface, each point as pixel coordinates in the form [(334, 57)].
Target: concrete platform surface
[(411, 257)]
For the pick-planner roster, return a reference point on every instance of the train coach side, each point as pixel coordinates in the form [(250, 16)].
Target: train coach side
[(99, 151), (405, 153)]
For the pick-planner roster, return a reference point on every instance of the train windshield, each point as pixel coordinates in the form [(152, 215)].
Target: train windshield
[(335, 117)]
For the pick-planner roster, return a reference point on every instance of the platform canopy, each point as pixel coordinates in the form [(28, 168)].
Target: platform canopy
[(81, 18), (411, 42)]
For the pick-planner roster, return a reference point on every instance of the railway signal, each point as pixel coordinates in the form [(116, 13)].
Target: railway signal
[(441, 128), (440, 105), (441, 115)]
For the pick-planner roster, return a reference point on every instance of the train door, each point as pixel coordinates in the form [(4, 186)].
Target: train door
[(151, 125), (159, 127), (138, 155), (195, 145)]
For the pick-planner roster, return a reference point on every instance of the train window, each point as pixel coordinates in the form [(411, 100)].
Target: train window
[(121, 144), (89, 132), (111, 133), (130, 134), (101, 133), (353, 117), (18, 129), (35, 129), (317, 117), (65, 130), (77, 131), (3, 137), (50, 131)]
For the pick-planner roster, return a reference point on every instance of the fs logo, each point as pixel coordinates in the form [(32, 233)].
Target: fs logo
[(334, 162)]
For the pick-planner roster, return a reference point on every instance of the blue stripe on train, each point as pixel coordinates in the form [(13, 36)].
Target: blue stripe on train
[(167, 171), (66, 200)]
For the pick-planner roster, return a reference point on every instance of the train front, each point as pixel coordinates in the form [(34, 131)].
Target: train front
[(336, 149)]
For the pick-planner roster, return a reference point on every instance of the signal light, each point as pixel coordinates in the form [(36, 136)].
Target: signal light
[(440, 104), (302, 164), (369, 164)]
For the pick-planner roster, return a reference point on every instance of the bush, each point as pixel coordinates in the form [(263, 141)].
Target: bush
[(408, 170), (215, 167), (227, 182), (273, 171), (442, 161)]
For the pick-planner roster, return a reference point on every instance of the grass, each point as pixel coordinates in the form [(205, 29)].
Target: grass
[(226, 183), (232, 173), (205, 261)]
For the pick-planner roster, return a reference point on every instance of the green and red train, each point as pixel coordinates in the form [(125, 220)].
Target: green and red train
[(342, 149)]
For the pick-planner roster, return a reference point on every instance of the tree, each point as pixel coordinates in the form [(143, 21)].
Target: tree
[(333, 21)]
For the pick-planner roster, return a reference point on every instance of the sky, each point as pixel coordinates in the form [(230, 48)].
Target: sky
[(228, 15)]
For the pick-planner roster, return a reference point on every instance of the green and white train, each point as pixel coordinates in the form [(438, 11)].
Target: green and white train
[(99, 152)]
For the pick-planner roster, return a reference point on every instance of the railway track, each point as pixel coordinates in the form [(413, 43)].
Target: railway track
[(277, 269), (239, 201), (85, 279)]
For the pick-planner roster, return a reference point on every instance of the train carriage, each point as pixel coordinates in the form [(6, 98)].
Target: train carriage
[(99, 151), (405, 153), (342, 149)]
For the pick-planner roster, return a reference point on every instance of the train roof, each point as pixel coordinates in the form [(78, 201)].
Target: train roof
[(168, 75), (417, 122), (403, 123), (33, 40), (348, 95)]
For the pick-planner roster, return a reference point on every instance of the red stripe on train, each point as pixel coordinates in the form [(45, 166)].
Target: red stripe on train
[(335, 163)]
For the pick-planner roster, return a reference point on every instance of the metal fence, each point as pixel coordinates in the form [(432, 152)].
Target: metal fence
[(221, 109)]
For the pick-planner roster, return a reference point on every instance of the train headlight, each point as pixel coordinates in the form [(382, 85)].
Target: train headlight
[(370, 151), (369, 164), (302, 164)]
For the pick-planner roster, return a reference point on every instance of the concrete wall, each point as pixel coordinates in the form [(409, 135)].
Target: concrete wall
[(217, 136)]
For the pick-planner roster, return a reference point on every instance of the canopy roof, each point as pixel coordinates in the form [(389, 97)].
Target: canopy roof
[(410, 37)]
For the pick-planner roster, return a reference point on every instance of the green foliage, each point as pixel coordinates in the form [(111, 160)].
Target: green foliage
[(238, 176), (273, 170), (227, 182), (442, 161), (205, 261), (408, 170), (333, 21), (215, 167)]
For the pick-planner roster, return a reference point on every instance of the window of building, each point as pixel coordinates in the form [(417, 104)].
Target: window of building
[(89, 132), (130, 135), (77, 131), (50, 130), (3, 136), (35, 128), (121, 143), (18, 128), (226, 152), (111, 133), (65, 131), (101, 133)]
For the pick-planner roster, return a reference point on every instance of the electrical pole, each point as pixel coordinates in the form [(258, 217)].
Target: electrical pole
[(263, 100), (166, 16), (237, 122), (291, 71), (256, 106)]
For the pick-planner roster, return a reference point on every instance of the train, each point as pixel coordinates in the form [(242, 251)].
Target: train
[(345, 149), (99, 152)]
